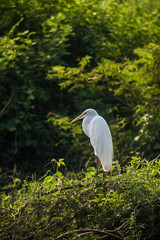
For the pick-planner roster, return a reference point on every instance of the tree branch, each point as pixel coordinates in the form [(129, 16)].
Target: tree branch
[(4, 108), (92, 231)]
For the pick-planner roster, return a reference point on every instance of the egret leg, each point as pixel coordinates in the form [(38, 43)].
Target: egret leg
[(104, 175), (97, 165), (104, 178)]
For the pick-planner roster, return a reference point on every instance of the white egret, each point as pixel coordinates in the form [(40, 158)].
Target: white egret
[(96, 128)]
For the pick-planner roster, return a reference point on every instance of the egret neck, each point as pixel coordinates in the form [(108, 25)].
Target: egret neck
[(86, 122)]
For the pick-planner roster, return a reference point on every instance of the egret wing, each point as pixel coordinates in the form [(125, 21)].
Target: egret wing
[(101, 140)]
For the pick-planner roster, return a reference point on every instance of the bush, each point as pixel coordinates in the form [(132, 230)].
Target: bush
[(123, 205)]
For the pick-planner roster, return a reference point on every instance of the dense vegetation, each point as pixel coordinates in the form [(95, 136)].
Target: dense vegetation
[(124, 205), (58, 58)]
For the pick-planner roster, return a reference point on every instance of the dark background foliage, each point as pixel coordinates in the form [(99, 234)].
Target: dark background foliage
[(58, 58)]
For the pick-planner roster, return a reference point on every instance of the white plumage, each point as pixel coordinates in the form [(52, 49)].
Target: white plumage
[(96, 128)]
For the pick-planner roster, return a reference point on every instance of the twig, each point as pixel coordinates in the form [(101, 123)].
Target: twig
[(156, 158), (7, 229), (29, 237), (84, 191), (63, 188), (116, 236), (4, 108), (124, 224), (81, 235), (103, 237)]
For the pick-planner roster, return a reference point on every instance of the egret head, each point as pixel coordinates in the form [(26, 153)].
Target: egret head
[(87, 113)]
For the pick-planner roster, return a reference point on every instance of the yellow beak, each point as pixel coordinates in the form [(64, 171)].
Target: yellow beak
[(78, 117)]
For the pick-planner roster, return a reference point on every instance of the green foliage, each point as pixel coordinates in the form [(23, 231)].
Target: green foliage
[(126, 203), (58, 58), (131, 85)]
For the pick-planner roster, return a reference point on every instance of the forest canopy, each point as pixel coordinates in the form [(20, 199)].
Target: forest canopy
[(58, 58)]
